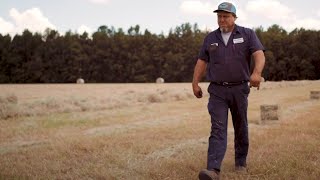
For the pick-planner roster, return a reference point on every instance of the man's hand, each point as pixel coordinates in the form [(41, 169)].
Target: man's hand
[(197, 90), (255, 80), (259, 61), (199, 71)]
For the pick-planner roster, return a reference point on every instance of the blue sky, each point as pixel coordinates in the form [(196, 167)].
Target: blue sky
[(155, 15)]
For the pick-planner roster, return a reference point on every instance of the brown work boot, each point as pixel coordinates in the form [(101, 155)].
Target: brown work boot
[(241, 169), (208, 175)]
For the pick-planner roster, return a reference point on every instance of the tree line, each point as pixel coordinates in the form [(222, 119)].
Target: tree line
[(112, 55)]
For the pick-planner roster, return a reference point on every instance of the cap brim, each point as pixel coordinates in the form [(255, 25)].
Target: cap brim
[(219, 10)]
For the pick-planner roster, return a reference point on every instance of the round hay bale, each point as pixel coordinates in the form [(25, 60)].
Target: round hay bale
[(314, 94), (269, 112), (80, 81), (159, 80)]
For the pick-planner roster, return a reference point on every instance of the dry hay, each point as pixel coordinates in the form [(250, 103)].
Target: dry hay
[(61, 98), (285, 84), (8, 106), (269, 112), (314, 94)]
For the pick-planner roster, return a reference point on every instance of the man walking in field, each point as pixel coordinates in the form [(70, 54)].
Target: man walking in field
[(225, 57)]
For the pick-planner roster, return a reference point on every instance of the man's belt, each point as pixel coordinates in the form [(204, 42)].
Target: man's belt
[(229, 83)]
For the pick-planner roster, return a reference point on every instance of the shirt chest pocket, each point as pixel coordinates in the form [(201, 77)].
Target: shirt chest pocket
[(215, 53), (240, 48)]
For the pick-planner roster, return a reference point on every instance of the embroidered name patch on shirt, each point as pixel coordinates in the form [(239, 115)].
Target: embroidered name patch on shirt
[(238, 40)]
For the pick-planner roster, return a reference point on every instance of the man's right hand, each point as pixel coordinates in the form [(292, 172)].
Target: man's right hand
[(197, 91), (199, 71)]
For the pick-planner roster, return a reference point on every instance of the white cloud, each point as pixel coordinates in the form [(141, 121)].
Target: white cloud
[(269, 12), (84, 28), (205, 27), (100, 1), (318, 13), (5, 27), (242, 15), (306, 23), (31, 19), (271, 9), (197, 7)]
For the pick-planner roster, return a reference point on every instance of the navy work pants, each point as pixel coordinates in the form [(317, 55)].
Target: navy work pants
[(221, 99)]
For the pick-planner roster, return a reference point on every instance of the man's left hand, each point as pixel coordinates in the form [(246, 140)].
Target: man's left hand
[(255, 80)]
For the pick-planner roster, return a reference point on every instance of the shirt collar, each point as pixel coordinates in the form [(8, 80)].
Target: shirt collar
[(236, 29)]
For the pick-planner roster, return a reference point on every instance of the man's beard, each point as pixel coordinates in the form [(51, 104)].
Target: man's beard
[(225, 29)]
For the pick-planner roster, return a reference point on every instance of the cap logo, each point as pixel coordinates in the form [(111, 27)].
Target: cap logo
[(223, 6)]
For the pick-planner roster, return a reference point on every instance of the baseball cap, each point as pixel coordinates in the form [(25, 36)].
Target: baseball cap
[(227, 7)]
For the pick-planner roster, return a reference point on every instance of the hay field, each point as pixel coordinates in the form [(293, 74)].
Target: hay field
[(149, 131)]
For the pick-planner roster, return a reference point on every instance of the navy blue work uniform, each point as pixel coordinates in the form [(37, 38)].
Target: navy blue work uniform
[(228, 70)]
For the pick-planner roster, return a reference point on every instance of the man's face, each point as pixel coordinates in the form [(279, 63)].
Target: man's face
[(226, 21)]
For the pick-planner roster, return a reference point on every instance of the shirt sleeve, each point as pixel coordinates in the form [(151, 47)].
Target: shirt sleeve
[(203, 54), (255, 43)]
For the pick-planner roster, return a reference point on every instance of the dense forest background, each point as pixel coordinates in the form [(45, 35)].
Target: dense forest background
[(114, 56)]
